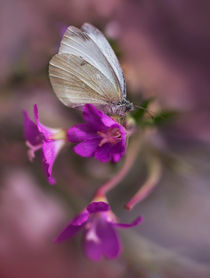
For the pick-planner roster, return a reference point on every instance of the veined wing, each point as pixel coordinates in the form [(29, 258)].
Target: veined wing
[(108, 52), (76, 82), (81, 44)]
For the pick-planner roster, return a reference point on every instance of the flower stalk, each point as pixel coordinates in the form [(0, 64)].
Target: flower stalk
[(131, 156), (154, 175)]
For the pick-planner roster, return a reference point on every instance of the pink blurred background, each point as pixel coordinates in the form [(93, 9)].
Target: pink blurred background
[(163, 47)]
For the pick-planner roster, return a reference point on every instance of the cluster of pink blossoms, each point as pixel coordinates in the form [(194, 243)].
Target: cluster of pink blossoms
[(100, 137)]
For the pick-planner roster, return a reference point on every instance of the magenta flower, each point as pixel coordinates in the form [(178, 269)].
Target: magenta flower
[(100, 136), (40, 137), (100, 236)]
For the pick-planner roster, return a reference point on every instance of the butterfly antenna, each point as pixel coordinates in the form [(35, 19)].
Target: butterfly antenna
[(145, 109)]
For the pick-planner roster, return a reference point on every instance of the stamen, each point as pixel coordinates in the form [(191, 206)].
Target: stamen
[(112, 135), (32, 150)]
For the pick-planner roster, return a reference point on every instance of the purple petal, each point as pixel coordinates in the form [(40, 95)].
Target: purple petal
[(98, 207), (110, 242), (31, 132), (80, 132), (117, 152), (136, 222), (103, 153), (46, 132), (105, 243), (116, 157), (92, 250), (86, 148), (96, 118), (73, 227), (81, 218), (50, 151)]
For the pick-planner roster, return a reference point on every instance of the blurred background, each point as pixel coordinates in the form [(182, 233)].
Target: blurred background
[(163, 47)]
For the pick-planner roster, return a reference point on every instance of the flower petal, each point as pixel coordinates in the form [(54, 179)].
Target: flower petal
[(86, 148), (46, 132), (31, 132), (109, 238), (103, 153), (107, 245), (96, 118), (81, 218), (136, 222), (73, 227), (117, 152), (80, 132), (50, 151), (98, 207)]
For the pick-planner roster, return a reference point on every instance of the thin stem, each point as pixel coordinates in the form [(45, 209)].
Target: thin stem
[(130, 159), (153, 178)]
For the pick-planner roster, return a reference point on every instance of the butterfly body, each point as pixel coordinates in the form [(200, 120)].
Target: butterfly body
[(86, 70)]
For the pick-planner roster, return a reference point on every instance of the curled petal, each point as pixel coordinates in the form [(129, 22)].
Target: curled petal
[(136, 222), (98, 207)]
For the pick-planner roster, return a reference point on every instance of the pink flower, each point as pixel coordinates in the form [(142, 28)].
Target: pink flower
[(100, 235), (100, 136), (40, 137)]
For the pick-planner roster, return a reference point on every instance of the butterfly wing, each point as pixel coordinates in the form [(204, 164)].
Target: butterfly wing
[(83, 62), (108, 52), (76, 82)]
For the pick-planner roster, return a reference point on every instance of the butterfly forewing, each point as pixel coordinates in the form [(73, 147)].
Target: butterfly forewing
[(108, 52), (80, 44), (76, 82)]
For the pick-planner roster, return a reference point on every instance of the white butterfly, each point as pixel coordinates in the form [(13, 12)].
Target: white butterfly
[(86, 70)]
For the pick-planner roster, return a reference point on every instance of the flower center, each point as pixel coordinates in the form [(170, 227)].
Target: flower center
[(60, 135), (111, 135)]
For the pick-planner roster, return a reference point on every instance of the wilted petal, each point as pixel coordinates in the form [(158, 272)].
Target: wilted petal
[(86, 148)]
